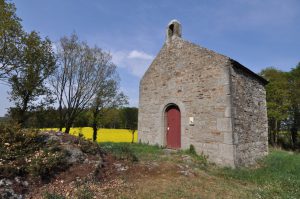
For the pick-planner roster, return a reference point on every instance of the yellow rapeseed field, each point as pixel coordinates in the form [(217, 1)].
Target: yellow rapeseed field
[(104, 135)]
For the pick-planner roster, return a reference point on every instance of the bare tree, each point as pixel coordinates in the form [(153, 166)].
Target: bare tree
[(77, 78)]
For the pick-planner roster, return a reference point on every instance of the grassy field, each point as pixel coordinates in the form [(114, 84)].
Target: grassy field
[(104, 135), (276, 176), (156, 172)]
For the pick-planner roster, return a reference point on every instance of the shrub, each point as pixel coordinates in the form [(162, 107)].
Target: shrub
[(192, 150), (15, 146), (25, 151), (84, 193), (201, 159), (46, 164), (122, 151), (89, 147), (53, 196)]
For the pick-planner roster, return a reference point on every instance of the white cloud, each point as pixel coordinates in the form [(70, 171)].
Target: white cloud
[(118, 57), (135, 61), (139, 55)]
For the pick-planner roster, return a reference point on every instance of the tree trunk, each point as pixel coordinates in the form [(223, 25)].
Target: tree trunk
[(60, 118), (94, 125), (22, 119), (276, 133), (95, 129), (294, 132), (270, 132), (68, 127), (132, 131)]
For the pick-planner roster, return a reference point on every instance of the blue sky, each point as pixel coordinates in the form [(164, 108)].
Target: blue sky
[(255, 33)]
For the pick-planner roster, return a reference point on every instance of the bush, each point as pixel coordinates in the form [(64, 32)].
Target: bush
[(89, 147), (46, 164), (84, 193), (192, 150), (201, 159), (27, 152), (16, 143), (15, 146), (53, 196), (121, 151)]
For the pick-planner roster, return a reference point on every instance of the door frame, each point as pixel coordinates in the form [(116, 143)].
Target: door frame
[(166, 125)]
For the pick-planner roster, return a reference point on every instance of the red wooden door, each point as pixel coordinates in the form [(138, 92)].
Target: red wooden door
[(173, 128)]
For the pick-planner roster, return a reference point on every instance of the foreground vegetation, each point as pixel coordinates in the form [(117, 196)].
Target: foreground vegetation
[(276, 176), (56, 165), (31, 153)]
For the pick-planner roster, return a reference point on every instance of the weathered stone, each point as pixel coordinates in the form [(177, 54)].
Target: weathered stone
[(6, 190), (120, 167), (75, 154), (225, 99)]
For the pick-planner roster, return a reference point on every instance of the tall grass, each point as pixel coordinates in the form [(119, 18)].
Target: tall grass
[(278, 176)]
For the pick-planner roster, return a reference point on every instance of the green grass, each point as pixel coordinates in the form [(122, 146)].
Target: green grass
[(278, 176), (48, 195), (132, 151), (145, 152)]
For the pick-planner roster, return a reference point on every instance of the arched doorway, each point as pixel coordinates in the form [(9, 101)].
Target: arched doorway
[(173, 126)]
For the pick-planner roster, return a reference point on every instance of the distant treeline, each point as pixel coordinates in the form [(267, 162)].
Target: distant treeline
[(118, 118)]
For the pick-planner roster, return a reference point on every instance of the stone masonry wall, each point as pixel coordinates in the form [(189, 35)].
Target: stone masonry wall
[(196, 80), (250, 117)]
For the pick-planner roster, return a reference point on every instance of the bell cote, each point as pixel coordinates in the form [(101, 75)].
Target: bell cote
[(173, 29)]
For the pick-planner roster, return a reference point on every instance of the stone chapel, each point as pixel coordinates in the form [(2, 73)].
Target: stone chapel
[(191, 95)]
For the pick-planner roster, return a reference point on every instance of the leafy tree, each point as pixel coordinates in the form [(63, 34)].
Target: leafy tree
[(278, 101), (28, 79), (42, 117), (130, 119), (294, 81), (84, 119), (110, 118), (10, 39)]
